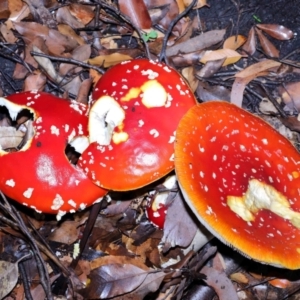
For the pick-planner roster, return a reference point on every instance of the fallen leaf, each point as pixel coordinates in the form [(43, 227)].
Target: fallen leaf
[(231, 56), (83, 13), (108, 60), (276, 31), (211, 68), (10, 137), (234, 42), (266, 45), (250, 45), (220, 283), (239, 278), (189, 74), (197, 43), (137, 12), (8, 278), (117, 279)]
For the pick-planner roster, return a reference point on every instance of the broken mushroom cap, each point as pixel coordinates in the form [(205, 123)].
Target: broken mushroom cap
[(132, 121), (40, 175), (242, 180), (156, 211)]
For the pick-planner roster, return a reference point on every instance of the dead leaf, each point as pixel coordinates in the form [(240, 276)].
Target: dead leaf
[(197, 43), (189, 75), (231, 56), (10, 137), (220, 283), (290, 94), (276, 31), (199, 4), (64, 16), (35, 81), (108, 60), (293, 123), (7, 34), (117, 279), (250, 45), (4, 9), (239, 277), (207, 92), (68, 31), (234, 42), (179, 228), (266, 45), (280, 283), (211, 68), (66, 233), (8, 278), (257, 68), (83, 13), (137, 13)]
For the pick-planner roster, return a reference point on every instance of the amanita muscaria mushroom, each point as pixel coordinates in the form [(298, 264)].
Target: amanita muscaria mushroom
[(40, 175), (242, 179), (132, 121)]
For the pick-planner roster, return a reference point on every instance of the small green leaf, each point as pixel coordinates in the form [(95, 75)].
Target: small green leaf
[(152, 35)]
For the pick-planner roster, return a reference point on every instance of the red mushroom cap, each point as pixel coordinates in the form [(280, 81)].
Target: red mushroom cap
[(132, 124), (242, 180), (40, 175)]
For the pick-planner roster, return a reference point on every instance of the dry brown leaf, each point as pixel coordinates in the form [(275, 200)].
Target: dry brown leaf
[(239, 278), (276, 31), (186, 59), (7, 34), (250, 45), (68, 31), (83, 93), (4, 9), (280, 283), (117, 279), (199, 4), (220, 283), (290, 94), (66, 233), (108, 60), (137, 13), (266, 45), (10, 137), (211, 68), (35, 81), (189, 74), (18, 11), (248, 74), (83, 13), (64, 16), (257, 68), (207, 92), (234, 42), (231, 56), (197, 43)]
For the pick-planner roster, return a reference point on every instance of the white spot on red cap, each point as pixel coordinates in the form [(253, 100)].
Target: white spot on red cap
[(141, 123), (10, 182), (150, 73), (57, 202), (28, 193), (54, 130), (154, 133), (72, 203)]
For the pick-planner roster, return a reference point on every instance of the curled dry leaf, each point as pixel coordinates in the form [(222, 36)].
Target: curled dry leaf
[(211, 68), (109, 59), (10, 137), (8, 278), (290, 94), (137, 13), (189, 74), (83, 13), (234, 42), (66, 233), (276, 31), (250, 45), (280, 283), (245, 76), (231, 56), (117, 279), (199, 4), (220, 283), (197, 43), (35, 81), (266, 45)]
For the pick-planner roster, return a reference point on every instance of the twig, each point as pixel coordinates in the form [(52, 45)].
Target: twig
[(69, 61), (163, 56)]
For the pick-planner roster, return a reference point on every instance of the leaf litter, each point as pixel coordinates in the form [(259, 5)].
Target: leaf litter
[(64, 49)]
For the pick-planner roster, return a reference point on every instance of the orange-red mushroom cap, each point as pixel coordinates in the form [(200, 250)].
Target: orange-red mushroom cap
[(40, 175), (242, 180), (132, 121)]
